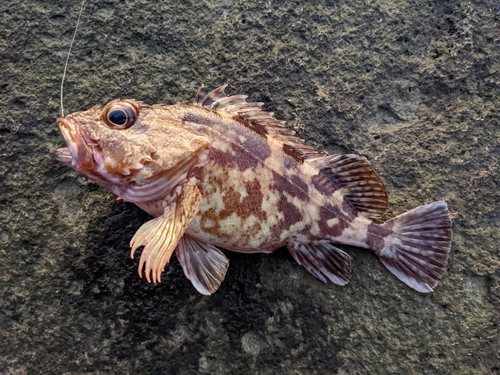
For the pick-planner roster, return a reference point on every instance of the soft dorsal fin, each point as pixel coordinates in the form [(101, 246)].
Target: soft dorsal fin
[(364, 188), (263, 123)]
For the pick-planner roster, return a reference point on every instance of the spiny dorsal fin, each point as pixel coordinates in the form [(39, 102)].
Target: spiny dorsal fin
[(353, 173), (261, 122)]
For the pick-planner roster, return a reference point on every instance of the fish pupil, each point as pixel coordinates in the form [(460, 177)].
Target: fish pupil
[(118, 117)]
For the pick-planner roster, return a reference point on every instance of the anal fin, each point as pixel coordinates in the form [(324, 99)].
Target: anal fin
[(203, 264), (323, 259)]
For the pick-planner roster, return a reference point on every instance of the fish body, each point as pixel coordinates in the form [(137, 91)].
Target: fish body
[(221, 172)]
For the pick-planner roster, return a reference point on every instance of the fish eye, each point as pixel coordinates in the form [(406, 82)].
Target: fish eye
[(119, 115)]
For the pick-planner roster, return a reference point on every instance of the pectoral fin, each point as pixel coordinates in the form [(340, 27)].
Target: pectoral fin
[(203, 264), (161, 235)]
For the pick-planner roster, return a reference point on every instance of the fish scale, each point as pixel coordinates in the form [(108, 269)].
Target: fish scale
[(221, 172)]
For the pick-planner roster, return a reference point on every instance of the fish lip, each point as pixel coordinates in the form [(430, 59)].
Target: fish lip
[(66, 130), (64, 156), (77, 155)]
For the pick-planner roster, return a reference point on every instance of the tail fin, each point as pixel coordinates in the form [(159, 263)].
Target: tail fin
[(417, 250)]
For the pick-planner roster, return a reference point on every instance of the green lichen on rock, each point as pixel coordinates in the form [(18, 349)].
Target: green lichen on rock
[(413, 86)]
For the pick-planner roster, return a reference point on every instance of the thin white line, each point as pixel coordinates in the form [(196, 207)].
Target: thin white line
[(67, 58)]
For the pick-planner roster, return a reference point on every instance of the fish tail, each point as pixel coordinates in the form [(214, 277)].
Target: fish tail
[(416, 244)]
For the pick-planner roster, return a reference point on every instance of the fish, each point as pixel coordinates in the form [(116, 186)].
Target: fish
[(222, 173)]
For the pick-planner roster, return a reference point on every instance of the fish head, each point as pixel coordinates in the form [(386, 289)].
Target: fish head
[(127, 144)]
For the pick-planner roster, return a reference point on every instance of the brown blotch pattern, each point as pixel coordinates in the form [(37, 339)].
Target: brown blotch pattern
[(375, 236), (289, 162), (293, 153), (257, 148), (291, 212), (292, 215), (298, 182), (227, 160), (322, 184), (209, 118), (232, 201), (282, 184), (252, 203), (330, 212), (253, 125)]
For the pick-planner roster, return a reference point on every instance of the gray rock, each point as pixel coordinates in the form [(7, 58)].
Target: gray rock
[(413, 86)]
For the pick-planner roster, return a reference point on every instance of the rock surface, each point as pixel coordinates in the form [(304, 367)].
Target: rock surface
[(412, 85)]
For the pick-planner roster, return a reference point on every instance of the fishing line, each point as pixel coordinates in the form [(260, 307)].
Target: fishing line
[(69, 52)]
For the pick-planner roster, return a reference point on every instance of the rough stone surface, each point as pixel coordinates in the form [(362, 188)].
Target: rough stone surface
[(412, 85)]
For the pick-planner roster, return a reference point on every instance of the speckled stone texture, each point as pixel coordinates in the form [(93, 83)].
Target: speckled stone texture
[(412, 85)]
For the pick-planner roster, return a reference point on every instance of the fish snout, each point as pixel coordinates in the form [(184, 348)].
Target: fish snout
[(78, 149)]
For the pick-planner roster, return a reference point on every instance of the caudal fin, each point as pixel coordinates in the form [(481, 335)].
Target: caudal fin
[(417, 250)]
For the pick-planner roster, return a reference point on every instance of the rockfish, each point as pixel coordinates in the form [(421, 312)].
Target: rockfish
[(221, 172)]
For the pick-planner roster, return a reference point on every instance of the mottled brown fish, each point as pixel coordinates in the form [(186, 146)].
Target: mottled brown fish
[(222, 172)]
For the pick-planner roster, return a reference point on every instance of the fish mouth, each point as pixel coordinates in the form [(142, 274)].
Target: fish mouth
[(77, 155), (64, 156)]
